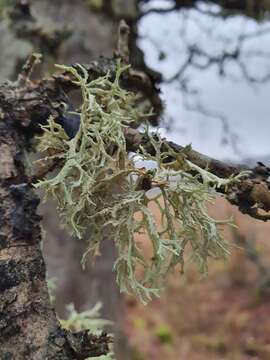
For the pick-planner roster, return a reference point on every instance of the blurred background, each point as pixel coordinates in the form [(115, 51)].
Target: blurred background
[(211, 60)]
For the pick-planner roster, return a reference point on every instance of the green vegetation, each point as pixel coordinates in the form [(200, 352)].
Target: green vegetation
[(164, 334), (85, 320)]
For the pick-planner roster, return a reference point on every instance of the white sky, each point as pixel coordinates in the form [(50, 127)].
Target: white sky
[(246, 106)]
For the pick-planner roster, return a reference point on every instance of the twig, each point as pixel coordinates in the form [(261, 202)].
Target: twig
[(28, 67), (123, 42), (250, 193)]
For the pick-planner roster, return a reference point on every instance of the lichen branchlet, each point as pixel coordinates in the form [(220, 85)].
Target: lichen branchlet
[(99, 187)]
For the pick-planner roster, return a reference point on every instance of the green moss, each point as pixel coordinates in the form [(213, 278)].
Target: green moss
[(164, 334)]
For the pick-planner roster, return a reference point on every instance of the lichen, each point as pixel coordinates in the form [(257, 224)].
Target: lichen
[(85, 320), (88, 320), (100, 187)]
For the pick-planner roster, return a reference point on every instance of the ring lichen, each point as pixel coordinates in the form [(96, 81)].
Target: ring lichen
[(101, 188)]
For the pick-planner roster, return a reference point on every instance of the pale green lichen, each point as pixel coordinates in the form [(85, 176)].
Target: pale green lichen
[(85, 320), (88, 320), (99, 187), (51, 285)]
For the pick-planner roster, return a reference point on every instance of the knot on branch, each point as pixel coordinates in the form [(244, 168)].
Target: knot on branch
[(253, 194)]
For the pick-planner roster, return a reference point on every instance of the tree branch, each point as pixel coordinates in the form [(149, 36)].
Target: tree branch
[(34, 102), (251, 194)]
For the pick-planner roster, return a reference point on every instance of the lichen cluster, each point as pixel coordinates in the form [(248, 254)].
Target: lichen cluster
[(89, 320), (85, 320), (99, 187)]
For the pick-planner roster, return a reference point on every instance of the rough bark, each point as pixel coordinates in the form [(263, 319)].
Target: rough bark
[(67, 31), (29, 328)]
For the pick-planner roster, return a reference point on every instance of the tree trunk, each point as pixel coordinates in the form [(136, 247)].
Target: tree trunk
[(92, 35), (29, 328)]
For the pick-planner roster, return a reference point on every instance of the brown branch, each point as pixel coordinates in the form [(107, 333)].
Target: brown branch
[(135, 140), (251, 194)]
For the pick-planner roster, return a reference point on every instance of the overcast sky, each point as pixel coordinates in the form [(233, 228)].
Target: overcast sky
[(245, 106)]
